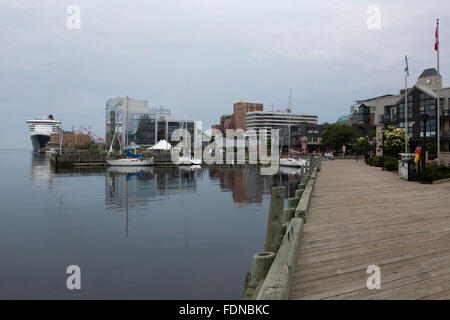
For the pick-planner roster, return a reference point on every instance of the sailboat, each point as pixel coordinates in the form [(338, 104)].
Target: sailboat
[(133, 159), (291, 162)]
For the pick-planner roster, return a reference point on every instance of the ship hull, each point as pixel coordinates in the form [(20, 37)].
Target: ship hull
[(39, 141)]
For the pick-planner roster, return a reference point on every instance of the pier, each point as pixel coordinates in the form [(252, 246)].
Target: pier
[(361, 216)]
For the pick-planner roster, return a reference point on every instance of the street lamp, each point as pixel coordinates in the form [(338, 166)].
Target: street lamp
[(383, 133), (384, 138), (424, 145)]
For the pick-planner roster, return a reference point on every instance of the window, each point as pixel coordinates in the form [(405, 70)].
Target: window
[(410, 127), (427, 105), (401, 110), (431, 128)]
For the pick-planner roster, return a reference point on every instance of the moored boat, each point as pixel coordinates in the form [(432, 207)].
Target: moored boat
[(41, 129), (131, 162), (291, 162)]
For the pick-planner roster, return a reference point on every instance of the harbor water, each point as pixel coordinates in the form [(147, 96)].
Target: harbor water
[(136, 233)]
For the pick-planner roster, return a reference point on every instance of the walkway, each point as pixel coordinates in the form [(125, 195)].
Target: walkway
[(362, 216)]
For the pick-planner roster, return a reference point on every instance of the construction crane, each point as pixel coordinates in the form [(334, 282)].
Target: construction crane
[(90, 133)]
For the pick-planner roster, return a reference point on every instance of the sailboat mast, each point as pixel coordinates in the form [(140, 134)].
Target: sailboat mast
[(289, 125), (126, 127)]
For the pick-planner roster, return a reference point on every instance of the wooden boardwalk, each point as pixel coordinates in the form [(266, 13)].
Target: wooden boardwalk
[(362, 216)]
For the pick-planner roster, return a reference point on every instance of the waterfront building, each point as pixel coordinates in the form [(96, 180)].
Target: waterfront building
[(422, 99), (251, 116), (226, 122), (307, 137), (283, 120), (167, 126), (241, 108), (238, 120), (280, 120), (69, 139), (134, 121), (363, 114), (277, 120), (143, 126)]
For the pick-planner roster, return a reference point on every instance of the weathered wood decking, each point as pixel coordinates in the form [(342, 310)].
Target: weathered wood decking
[(362, 216)]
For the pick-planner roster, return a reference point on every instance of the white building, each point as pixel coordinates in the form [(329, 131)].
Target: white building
[(275, 120)]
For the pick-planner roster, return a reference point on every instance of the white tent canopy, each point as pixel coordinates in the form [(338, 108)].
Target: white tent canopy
[(161, 145)]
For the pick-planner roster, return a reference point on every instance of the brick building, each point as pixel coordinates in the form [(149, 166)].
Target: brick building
[(237, 120), (226, 122), (240, 110), (70, 139)]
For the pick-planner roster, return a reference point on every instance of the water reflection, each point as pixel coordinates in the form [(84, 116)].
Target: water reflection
[(245, 183), (40, 172), (139, 223), (248, 186), (290, 178), (135, 187)]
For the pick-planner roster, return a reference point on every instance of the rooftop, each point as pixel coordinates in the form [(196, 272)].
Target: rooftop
[(432, 72), (379, 97)]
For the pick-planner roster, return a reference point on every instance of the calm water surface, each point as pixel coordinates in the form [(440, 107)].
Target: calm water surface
[(149, 233)]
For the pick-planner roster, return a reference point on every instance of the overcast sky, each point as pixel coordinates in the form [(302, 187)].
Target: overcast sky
[(197, 57)]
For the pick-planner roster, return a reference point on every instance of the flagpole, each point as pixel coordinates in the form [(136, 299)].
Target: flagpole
[(438, 98), (406, 104)]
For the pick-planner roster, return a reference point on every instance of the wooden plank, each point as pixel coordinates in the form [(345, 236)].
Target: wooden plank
[(302, 208), (360, 215)]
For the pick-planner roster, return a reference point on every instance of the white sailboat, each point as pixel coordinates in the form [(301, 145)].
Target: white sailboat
[(291, 162), (131, 160), (291, 171), (189, 161)]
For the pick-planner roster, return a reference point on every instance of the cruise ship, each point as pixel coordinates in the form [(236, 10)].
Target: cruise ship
[(41, 129)]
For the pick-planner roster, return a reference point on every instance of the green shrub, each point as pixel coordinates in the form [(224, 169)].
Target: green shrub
[(391, 165), (433, 172), (377, 161)]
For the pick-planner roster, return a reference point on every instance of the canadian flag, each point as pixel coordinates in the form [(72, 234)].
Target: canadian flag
[(436, 44)]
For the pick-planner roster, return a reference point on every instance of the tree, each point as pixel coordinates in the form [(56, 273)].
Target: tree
[(362, 146), (432, 148), (394, 141), (337, 135)]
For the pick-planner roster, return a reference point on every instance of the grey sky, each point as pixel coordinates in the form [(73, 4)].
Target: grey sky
[(225, 50)]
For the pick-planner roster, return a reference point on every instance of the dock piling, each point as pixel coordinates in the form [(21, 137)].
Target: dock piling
[(261, 265), (272, 241)]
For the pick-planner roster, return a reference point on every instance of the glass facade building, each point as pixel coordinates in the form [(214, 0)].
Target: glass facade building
[(139, 125), (134, 122)]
